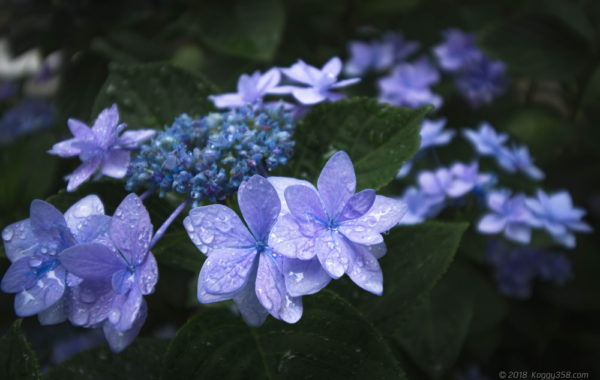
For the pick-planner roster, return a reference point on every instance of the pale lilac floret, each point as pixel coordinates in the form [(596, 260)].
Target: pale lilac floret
[(419, 206), (457, 50), (34, 245), (100, 147), (409, 85), (509, 215), (117, 271), (241, 264), (442, 183), (556, 214), (320, 82), (486, 140), (250, 89), (336, 226), (432, 134), (518, 159), (378, 55), (469, 176)]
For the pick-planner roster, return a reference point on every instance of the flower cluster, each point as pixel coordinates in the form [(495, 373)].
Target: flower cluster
[(30, 115), (516, 268), (208, 158), (84, 266), (299, 237), (100, 147), (309, 85), (478, 78)]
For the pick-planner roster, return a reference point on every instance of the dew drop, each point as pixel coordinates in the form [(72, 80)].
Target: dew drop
[(8, 234)]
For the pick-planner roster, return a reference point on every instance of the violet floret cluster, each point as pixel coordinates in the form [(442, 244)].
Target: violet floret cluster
[(298, 238), (208, 158)]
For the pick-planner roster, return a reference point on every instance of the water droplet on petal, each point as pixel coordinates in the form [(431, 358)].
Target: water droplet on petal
[(8, 234)]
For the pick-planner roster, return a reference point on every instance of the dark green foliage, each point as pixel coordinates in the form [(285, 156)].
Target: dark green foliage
[(17, 359)]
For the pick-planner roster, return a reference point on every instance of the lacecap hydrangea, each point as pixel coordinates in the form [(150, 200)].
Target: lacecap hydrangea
[(208, 158)]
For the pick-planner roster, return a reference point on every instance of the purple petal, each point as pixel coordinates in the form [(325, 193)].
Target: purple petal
[(226, 270), (105, 126), (491, 224), (281, 183), (132, 139), (46, 219), (122, 280), (119, 340), (346, 82), (126, 309), (131, 229), (308, 95), (304, 203), (333, 253), (55, 314), (358, 233), (247, 302), (77, 213), (216, 226), (90, 302), (377, 250), (67, 148), (304, 277), (272, 294), (91, 261), (80, 130), (303, 73), (336, 183), (567, 240), (83, 173), (358, 205), (20, 240), (259, 204), (384, 214), (294, 238), (365, 270), (115, 163), (18, 277), (429, 183), (45, 293), (230, 100), (147, 275), (333, 67), (518, 232), (268, 80)]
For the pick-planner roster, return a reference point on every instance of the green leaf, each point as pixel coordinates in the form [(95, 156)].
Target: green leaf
[(538, 46), (417, 258), (433, 331), (152, 95), (331, 341), (141, 360), (17, 359), (243, 28), (379, 138)]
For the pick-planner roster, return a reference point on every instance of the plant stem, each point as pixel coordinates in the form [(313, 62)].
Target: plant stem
[(147, 193), (163, 228)]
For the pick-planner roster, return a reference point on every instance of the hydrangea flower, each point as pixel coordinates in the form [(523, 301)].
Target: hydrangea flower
[(457, 50), (336, 225), (432, 134), (29, 115), (481, 81), (242, 264), (208, 158), (518, 159), (117, 271), (409, 85), (321, 83), (33, 246), (469, 176), (250, 89), (378, 55), (442, 183), (419, 206), (515, 269), (486, 140), (100, 147), (509, 215), (556, 214)]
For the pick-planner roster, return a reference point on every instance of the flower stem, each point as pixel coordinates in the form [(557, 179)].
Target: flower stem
[(162, 229), (147, 193)]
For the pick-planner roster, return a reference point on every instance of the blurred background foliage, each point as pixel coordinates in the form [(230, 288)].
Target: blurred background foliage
[(551, 48)]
